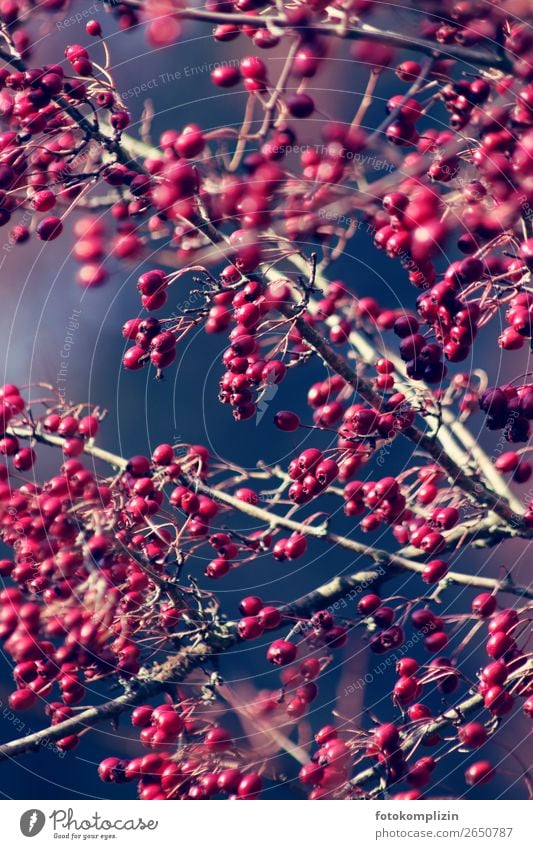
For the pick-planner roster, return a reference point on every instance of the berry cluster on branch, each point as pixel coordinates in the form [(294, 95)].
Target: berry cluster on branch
[(110, 579)]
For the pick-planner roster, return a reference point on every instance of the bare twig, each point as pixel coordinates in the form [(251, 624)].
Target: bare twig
[(352, 32), (391, 562)]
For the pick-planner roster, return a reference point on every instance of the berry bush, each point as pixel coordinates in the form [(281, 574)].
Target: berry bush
[(409, 454)]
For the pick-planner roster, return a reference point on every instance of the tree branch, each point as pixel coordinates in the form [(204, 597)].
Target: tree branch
[(392, 562), (475, 488), (350, 32), (451, 716), (166, 675), (90, 128)]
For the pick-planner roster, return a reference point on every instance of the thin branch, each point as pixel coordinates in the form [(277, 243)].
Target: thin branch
[(452, 716), (91, 129), (392, 562), (351, 32), (479, 493), (166, 675), (173, 671), (449, 717)]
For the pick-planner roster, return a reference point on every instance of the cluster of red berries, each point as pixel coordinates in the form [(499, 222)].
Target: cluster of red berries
[(470, 24), (520, 318), (330, 770), (384, 497), (198, 770), (94, 587), (390, 506), (42, 103), (509, 408), (76, 429), (298, 691), (312, 473), (247, 373), (72, 536), (358, 425), (91, 248), (153, 344), (510, 461)]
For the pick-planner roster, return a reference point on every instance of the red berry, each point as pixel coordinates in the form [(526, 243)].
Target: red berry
[(218, 568), (24, 459), (406, 690), (311, 774), (387, 737), (434, 571), (479, 772), (282, 652), (94, 28), (498, 644), (141, 716), (495, 673), (111, 770), (218, 740), (295, 546), (22, 699), (368, 604), (436, 641), (251, 605), (300, 105), (269, 617), (498, 700), (49, 228), (473, 735), (250, 786), (287, 421), (484, 605), (253, 68), (249, 628), (226, 76), (505, 620)]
